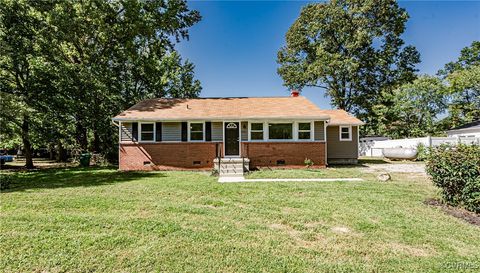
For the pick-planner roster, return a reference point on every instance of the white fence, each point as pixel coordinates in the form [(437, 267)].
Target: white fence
[(374, 148)]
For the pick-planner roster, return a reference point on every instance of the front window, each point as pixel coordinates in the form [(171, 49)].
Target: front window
[(146, 131), (304, 130), (345, 133), (256, 131), (196, 131), (280, 131)]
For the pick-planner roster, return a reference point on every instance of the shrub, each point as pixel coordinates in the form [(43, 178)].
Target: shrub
[(456, 170), (422, 152), (214, 172), (308, 162), (99, 160)]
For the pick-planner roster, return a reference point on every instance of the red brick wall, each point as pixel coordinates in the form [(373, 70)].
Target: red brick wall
[(179, 156), (166, 156), (264, 154)]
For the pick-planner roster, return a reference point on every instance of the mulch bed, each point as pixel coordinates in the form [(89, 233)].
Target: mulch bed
[(468, 216)]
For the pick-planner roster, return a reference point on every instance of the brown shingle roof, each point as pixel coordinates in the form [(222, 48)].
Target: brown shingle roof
[(232, 108), (341, 117)]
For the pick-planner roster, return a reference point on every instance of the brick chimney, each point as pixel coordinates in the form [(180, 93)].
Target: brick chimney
[(294, 93)]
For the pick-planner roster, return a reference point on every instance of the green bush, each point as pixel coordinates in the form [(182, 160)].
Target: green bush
[(422, 152), (456, 170), (308, 163)]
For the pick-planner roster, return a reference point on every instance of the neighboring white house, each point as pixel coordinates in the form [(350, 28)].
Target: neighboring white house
[(471, 129)]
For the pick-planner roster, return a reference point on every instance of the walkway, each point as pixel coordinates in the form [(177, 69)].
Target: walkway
[(242, 179)]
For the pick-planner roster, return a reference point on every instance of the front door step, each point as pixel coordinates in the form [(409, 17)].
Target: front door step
[(231, 167)]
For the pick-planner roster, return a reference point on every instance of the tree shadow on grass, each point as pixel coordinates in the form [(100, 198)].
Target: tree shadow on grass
[(360, 165), (70, 178), (373, 161)]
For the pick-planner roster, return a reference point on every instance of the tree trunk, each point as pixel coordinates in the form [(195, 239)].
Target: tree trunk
[(61, 153), (96, 142), (27, 146), (81, 132), (51, 150)]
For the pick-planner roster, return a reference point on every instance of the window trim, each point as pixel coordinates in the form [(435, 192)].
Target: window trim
[(140, 131), (250, 131), (311, 131), (189, 131), (349, 133)]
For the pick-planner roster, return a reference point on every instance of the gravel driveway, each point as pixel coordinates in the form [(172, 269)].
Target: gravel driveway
[(398, 167)]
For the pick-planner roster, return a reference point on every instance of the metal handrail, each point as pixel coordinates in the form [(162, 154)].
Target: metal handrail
[(218, 151)]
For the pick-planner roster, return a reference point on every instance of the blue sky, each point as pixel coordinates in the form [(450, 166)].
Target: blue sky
[(234, 47)]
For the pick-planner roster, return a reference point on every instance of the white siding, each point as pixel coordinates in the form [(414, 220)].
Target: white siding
[(126, 131), (217, 131), (319, 128), (171, 131)]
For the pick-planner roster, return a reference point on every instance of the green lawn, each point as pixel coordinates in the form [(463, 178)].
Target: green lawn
[(84, 220)]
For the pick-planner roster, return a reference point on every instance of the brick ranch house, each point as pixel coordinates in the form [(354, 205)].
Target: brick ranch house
[(169, 134)]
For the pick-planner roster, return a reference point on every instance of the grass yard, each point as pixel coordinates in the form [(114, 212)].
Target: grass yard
[(84, 220)]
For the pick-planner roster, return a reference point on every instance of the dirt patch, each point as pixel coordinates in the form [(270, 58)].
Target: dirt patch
[(341, 230), (298, 236), (468, 216), (293, 233), (288, 210), (409, 250)]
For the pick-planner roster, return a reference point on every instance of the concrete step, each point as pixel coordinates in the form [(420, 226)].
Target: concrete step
[(230, 171), (231, 166), (231, 160), (231, 174)]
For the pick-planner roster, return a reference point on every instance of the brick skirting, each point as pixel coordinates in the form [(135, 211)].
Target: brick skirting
[(200, 155), (166, 156), (292, 154)]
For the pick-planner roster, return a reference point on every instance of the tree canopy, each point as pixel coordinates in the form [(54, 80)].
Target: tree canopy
[(463, 78), (353, 50), (350, 48), (415, 108), (72, 65)]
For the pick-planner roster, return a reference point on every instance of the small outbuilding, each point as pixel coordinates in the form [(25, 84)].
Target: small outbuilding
[(469, 130)]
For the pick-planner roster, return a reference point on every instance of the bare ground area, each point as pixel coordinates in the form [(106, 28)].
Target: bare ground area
[(468, 216), (398, 168), (383, 165)]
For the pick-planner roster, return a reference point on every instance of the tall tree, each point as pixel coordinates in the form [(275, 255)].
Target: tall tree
[(25, 73), (72, 65), (414, 110), (463, 77), (350, 48), (117, 53)]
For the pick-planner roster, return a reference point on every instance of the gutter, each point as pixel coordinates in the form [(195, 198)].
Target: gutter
[(325, 117)]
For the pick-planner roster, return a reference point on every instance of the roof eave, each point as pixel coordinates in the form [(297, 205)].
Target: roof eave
[(346, 123), (321, 117)]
